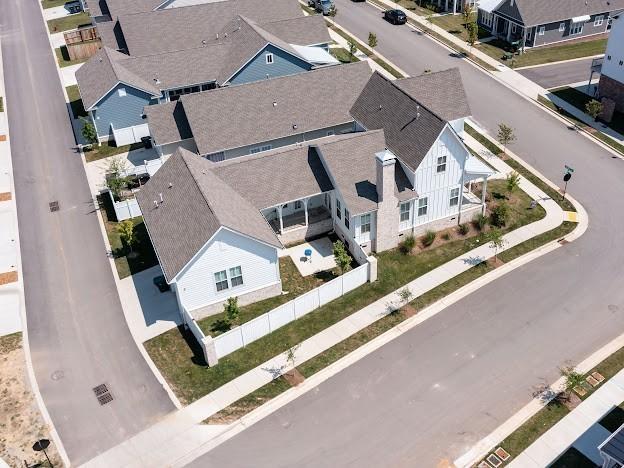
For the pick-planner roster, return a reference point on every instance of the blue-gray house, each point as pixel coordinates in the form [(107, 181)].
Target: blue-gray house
[(115, 87)]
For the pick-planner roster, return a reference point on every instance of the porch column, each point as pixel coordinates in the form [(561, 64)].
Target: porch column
[(470, 186), (305, 206), (279, 210), (524, 37), (454, 7), (508, 31), (483, 192), (494, 24)]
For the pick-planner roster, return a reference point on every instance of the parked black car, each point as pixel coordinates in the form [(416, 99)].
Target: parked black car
[(395, 16)]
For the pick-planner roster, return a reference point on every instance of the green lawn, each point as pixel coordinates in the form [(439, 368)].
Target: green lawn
[(1, 104), (413, 6), (497, 48), (126, 265), (69, 22), (343, 55), (178, 359), (63, 57), (52, 3), (292, 282), (75, 101), (578, 99)]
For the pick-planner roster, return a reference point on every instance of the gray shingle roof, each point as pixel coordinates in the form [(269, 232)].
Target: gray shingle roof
[(276, 177), (182, 28), (410, 128), (243, 115), (614, 445), (351, 161), (127, 7), (195, 206), (441, 92), (536, 12), (102, 72), (171, 120), (305, 30)]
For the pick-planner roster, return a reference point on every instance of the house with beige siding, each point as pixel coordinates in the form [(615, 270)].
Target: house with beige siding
[(217, 227)]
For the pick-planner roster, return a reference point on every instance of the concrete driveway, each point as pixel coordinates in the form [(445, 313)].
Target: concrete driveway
[(559, 74), (427, 397)]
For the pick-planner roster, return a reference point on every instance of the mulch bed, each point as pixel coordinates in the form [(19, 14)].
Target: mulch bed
[(293, 377)]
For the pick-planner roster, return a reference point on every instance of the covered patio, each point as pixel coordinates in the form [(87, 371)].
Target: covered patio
[(475, 170)]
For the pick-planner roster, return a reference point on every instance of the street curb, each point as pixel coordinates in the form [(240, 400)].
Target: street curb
[(60, 448), (316, 379)]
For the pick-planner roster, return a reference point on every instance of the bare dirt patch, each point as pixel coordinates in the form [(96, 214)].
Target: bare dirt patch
[(21, 423), (294, 377)]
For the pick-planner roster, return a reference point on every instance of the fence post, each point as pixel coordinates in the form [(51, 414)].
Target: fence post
[(372, 269), (210, 351)]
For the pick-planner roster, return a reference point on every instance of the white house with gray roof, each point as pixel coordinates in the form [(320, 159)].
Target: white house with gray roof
[(115, 86), (217, 227)]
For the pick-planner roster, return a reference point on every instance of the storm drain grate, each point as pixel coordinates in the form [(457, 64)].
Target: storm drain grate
[(54, 206), (102, 393)]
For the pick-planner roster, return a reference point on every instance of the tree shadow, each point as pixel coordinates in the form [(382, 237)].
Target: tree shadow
[(275, 372), (220, 326), (326, 275), (473, 260)]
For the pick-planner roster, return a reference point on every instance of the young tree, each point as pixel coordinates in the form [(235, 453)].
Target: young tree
[(513, 182), (429, 19), (116, 181), (342, 257), (593, 109), (505, 135), (127, 234), (231, 309), (467, 14), (372, 40), (572, 379), (473, 34), (497, 241), (88, 132), (352, 48)]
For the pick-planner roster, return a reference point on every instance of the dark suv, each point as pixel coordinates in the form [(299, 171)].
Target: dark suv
[(395, 16)]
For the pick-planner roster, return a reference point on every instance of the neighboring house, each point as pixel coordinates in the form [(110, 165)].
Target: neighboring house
[(611, 83), (241, 120), (534, 23), (370, 188), (115, 87), (612, 450), (454, 6)]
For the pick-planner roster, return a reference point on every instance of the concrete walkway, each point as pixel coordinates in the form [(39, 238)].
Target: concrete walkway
[(577, 429), (173, 439)]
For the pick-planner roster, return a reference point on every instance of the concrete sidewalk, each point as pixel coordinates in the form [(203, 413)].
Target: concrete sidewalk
[(176, 437), (569, 431)]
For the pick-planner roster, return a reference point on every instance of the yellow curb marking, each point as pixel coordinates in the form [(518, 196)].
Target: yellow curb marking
[(571, 216)]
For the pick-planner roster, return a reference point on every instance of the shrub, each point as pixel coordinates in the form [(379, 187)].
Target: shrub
[(500, 215), (342, 257), (463, 228), (480, 221), (428, 238), (446, 236), (407, 245)]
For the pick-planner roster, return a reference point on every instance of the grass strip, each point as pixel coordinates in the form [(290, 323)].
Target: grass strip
[(75, 101), (66, 23), (566, 205), (1, 104), (610, 142), (52, 3)]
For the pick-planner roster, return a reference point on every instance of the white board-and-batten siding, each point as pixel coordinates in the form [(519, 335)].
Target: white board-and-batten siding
[(227, 249), (437, 186)]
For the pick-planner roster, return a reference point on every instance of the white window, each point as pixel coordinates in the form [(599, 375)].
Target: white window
[(365, 223), (259, 149), (216, 157), (598, 20), (441, 165), (561, 27), (347, 217), (269, 58), (121, 92), (221, 280), (331, 133), (576, 29), (236, 276), (338, 209), (542, 30), (405, 211), (422, 206), (454, 200), (298, 205)]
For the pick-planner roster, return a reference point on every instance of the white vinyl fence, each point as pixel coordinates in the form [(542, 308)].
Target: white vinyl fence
[(195, 330), (292, 310), (125, 209), (129, 135)]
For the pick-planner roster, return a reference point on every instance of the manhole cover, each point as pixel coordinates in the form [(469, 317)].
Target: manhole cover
[(54, 206), (57, 375), (102, 393)]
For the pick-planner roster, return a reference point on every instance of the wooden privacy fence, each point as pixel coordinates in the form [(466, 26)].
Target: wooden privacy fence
[(85, 34), (82, 43)]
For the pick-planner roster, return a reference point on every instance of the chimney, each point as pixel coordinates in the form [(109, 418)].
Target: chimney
[(387, 235)]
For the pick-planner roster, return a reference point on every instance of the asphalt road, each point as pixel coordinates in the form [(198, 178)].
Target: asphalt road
[(435, 391), (78, 334), (561, 74)]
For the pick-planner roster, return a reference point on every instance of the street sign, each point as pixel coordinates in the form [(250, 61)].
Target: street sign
[(568, 169)]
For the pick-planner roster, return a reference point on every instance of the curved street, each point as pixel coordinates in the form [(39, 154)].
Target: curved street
[(429, 395), (77, 332)]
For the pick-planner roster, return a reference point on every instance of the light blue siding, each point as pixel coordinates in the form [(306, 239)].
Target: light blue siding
[(283, 64), (120, 111)]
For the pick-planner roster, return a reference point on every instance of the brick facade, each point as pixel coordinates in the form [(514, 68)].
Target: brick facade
[(612, 89)]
